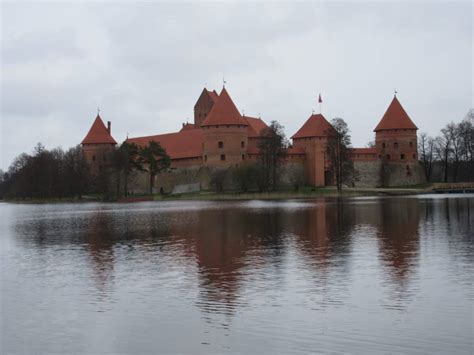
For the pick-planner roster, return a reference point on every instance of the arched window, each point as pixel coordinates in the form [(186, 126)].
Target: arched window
[(383, 145), (243, 156), (402, 156), (388, 156), (411, 144), (395, 145), (222, 156), (220, 145), (242, 144)]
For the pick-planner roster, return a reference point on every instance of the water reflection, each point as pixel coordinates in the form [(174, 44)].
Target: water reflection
[(251, 257)]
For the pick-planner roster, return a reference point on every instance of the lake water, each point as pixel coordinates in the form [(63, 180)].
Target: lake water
[(361, 275)]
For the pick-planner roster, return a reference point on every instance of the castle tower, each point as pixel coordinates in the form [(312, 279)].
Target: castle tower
[(98, 145), (313, 138), (395, 135), (203, 106), (225, 135)]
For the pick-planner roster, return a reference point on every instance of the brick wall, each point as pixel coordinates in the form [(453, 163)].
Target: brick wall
[(224, 145)]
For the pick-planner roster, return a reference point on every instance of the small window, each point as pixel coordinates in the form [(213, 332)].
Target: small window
[(380, 156), (411, 144), (221, 144), (205, 115), (222, 156), (383, 145), (402, 156), (388, 156), (242, 144), (414, 156), (93, 158), (395, 145), (243, 156), (205, 158)]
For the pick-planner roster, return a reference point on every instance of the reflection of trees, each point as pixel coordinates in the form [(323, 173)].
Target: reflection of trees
[(100, 241), (398, 238)]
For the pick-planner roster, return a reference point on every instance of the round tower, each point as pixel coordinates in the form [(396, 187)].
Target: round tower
[(225, 135)]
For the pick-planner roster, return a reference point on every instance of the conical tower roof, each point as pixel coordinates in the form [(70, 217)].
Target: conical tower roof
[(395, 118), (224, 112), (98, 134), (315, 126)]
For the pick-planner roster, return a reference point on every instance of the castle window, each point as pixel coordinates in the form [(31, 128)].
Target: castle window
[(383, 145), (388, 156), (205, 158), (242, 144), (220, 144), (411, 144), (93, 158), (402, 156), (222, 156), (243, 156), (380, 156), (414, 156), (395, 145)]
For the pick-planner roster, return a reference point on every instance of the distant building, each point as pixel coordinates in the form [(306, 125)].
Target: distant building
[(220, 136)]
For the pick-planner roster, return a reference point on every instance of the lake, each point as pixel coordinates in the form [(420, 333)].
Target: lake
[(360, 275)]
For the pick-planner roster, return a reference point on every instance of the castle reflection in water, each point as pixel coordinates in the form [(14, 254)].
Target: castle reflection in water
[(224, 248)]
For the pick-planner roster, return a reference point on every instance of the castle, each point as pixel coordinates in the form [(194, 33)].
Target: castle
[(220, 137)]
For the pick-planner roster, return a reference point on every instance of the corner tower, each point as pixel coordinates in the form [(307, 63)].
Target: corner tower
[(395, 135), (98, 145), (225, 136)]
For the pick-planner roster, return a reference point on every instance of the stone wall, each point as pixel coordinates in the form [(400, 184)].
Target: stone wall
[(396, 174), (383, 174), (166, 182), (367, 173)]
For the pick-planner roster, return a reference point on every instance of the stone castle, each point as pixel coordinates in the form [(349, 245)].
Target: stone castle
[(222, 137)]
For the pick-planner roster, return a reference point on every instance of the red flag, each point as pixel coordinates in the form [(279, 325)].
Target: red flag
[(320, 99)]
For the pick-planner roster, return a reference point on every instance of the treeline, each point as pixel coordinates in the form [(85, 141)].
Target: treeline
[(56, 173), (46, 174), (449, 157)]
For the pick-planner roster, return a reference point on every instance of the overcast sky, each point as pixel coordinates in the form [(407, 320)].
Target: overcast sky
[(145, 65)]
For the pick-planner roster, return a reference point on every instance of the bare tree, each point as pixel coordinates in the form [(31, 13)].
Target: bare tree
[(272, 152), (426, 148), (338, 151), (443, 151)]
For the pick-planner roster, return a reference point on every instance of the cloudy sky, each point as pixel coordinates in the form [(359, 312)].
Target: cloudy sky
[(144, 64)]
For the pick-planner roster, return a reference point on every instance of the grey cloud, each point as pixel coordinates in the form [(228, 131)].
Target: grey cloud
[(145, 64)]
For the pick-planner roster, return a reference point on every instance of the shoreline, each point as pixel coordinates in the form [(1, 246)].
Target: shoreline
[(236, 196)]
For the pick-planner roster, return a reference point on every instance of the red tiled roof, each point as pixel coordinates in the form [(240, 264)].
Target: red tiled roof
[(98, 134), (179, 145), (295, 151), (256, 125), (395, 118), (315, 126), (224, 112)]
